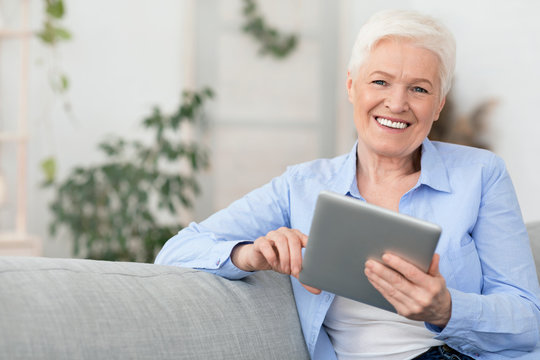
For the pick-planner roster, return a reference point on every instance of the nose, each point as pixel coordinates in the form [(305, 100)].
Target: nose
[(397, 100)]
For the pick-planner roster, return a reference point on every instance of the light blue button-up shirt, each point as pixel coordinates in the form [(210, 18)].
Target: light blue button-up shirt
[(484, 249)]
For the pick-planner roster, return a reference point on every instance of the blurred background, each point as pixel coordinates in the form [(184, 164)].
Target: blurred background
[(74, 74)]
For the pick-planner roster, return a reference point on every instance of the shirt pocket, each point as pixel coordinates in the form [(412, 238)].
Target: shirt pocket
[(461, 267)]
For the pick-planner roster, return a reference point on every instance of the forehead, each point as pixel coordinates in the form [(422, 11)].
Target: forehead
[(403, 59)]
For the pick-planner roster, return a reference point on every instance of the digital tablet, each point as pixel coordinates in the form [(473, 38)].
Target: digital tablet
[(345, 232)]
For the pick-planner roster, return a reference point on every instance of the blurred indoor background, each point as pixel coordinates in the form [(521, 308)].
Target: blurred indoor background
[(124, 57)]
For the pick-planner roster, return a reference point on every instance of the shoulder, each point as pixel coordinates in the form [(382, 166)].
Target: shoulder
[(467, 165), (454, 156), (323, 169)]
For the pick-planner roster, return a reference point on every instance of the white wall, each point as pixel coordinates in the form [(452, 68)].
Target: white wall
[(498, 56), (268, 113)]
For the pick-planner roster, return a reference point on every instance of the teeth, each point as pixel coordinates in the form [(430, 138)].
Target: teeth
[(390, 123)]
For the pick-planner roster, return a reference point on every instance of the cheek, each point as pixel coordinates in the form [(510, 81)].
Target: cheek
[(427, 112), (365, 101)]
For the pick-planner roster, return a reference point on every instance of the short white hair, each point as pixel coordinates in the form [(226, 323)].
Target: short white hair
[(423, 30)]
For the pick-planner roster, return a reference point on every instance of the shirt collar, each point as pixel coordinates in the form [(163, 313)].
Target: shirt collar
[(433, 173), (345, 182)]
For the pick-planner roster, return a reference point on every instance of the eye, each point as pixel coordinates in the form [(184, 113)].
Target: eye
[(419, 89), (379, 82)]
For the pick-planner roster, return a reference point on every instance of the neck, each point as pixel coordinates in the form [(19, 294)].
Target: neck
[(376, 168)]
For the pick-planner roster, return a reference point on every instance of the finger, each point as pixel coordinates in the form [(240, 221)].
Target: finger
[(408, 270), (281, 244), (295, 240), (384, 289), (386, 272), (295, 252), (428, 302), (391, 284), (267, 250), (434, 266), (303, 237)]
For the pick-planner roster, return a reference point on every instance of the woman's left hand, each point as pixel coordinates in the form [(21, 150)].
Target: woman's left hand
[(415, 294)]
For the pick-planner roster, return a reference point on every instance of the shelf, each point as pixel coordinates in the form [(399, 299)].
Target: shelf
[(16, 244), (14, 239), (12, 136), (6, 33)]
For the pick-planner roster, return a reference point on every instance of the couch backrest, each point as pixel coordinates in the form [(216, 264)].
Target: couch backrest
[(83, 309), (69, 308)]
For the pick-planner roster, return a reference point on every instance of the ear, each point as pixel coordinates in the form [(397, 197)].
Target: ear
[(443, 101), (349, 84)]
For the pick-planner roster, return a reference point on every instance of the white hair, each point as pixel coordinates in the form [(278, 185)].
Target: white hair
[(424, 31)]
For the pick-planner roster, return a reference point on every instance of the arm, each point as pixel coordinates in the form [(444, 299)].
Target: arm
[(506, 315), (208, 245)]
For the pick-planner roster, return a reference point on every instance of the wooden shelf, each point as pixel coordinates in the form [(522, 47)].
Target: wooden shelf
[(12, 136), (15, 244), (15, 240), (7, 33)]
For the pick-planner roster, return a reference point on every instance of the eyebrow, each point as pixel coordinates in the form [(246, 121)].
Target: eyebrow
[(414, 80)]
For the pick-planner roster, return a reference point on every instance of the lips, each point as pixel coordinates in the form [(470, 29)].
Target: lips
[(394, 124)]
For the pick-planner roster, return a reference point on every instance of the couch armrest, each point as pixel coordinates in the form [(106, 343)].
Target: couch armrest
[(85, 309)]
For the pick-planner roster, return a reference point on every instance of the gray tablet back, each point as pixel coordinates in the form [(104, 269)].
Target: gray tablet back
[(345, 232)]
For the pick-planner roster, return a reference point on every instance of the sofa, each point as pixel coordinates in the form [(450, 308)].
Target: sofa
[(86, 309)]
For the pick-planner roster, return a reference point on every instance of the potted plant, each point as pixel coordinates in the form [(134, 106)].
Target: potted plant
[(112, 210)]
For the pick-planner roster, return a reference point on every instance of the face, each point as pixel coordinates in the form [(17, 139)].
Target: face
[(396, 98)]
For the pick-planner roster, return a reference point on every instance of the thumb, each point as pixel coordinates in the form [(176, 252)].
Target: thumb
[(434, 266), (311, 289)]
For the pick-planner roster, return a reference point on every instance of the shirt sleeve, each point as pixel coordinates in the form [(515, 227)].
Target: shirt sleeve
[(208, 245), (506, 314)]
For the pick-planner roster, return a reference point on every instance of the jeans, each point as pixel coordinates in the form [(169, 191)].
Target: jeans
[(443, 352)]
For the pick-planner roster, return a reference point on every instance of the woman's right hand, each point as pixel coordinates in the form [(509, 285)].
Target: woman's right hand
[(279, 250)]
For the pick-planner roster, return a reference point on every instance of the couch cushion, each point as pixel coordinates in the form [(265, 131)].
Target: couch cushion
[(84, 309)]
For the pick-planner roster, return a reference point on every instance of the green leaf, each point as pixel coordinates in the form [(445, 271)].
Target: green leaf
[(208, 92), (48, 166), (271, 40), (64, 83), (47, 34), (62, 34), (55, 8)]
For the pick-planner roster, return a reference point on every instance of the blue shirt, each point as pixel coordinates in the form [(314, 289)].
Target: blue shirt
[(484, 249)]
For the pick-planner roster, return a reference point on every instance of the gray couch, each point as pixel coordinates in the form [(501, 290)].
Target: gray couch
[(84, 309)]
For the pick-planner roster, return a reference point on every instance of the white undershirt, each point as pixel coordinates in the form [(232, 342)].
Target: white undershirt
[(360, 331)]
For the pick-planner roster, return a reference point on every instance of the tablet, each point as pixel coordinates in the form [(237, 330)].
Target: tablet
[(345, 232)]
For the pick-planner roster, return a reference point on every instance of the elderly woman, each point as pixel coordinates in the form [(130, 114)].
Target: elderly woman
[(479, 298)]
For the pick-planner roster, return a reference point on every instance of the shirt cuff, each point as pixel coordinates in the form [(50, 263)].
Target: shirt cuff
[(466, 309), (223, 265)]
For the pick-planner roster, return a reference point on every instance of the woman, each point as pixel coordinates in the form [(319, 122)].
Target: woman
[(479, 298)]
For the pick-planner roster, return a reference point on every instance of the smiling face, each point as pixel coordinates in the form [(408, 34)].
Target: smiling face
[(396, 97)]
